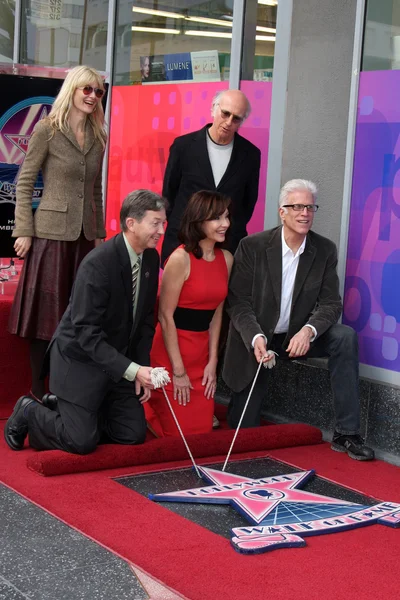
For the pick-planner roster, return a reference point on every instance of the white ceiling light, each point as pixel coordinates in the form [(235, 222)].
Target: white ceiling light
[(265, 38), (172, 15), (157, 13), (266, 29), (155, 30), (268, 2), (218, 22), (216, 34)]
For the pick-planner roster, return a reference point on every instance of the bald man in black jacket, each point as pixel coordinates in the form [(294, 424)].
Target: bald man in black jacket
[(214, 158)]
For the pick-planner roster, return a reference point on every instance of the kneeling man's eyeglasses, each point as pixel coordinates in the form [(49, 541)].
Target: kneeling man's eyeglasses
[(301, 207)]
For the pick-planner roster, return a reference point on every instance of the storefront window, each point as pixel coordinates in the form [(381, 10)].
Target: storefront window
[(7, 18), (372, 284), (259, 32), (381, 51), (171, 42), (64, 34), (265, 40)]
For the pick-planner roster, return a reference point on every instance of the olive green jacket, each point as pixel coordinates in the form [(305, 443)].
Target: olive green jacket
[(72, 194)]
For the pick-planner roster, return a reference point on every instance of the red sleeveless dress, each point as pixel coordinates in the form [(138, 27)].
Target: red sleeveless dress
[(203, 291)]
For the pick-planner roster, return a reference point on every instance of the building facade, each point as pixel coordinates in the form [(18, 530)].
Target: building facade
[(322, 78)]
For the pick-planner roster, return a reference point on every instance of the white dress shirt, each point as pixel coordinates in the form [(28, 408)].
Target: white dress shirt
[(290, 262)]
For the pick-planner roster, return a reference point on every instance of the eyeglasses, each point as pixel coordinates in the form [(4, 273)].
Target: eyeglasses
[(300, 207), (88, 89), (225, 114)]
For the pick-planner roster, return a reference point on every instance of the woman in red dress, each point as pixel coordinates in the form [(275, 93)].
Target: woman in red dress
[(193, 291)]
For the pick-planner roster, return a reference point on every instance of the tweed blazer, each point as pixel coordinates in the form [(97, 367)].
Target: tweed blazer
[(254, 297), (72, 194), (189, 170)]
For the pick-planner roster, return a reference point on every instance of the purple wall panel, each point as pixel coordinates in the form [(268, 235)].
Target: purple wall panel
[(372, 286)]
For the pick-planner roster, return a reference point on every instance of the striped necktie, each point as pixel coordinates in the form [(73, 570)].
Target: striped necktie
[(135, 273)]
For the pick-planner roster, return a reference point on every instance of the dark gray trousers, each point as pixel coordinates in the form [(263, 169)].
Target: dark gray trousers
[(78, 430), (340, 345)]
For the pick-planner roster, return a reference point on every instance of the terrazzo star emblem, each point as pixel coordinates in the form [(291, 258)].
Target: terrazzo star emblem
[(255, 499), (281, 512)]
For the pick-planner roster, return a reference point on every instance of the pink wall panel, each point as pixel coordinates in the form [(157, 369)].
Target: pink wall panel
[(145, 120)]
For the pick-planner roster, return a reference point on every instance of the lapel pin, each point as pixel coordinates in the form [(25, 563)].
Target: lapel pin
[(147, 274)]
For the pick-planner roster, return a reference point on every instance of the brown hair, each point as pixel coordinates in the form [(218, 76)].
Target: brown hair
[(203, 206)]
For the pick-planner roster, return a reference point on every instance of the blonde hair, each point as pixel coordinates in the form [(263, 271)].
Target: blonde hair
[(59, 114)]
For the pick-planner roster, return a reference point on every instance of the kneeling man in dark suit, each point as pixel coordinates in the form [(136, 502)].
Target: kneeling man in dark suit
[(100, 352), (284, 297)]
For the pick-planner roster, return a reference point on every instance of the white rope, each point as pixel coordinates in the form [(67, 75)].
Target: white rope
[(241, 418), (160, 378)]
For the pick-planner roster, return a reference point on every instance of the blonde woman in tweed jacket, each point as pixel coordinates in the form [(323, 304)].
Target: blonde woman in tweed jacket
[(68, 146)]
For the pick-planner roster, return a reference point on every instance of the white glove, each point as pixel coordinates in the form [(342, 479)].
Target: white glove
[(271, 363)]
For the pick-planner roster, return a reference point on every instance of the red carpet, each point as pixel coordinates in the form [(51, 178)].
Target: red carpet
[(202, 565), (110, 456)]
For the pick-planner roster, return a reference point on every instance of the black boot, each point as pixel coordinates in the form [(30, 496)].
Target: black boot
[(16, 428)]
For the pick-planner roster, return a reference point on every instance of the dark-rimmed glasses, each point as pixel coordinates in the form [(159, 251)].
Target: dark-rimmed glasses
[(225, 114), (300, 207), (88, 89)]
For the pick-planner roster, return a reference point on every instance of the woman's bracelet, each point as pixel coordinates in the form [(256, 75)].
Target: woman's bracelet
[(178, 376)]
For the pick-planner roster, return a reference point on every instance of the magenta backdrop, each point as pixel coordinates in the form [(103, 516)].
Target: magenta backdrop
[(145, 120)]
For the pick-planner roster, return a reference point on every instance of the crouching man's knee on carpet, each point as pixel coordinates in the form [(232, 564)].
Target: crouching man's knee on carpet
[(99, 356), (121, 417), (129, 437), (79, 446), (284, 302)]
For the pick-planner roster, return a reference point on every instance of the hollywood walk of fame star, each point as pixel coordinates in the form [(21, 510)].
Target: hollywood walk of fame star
[(253, 498)]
